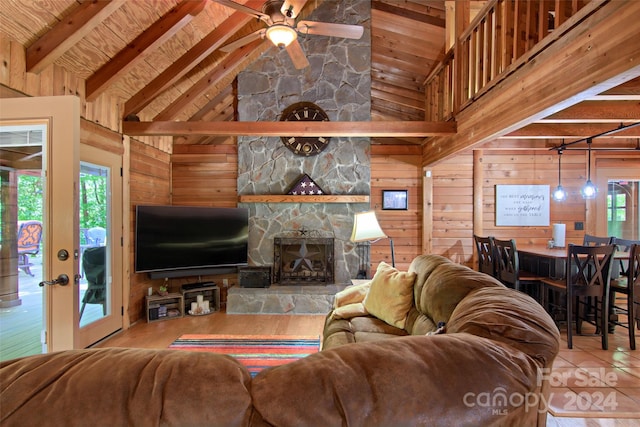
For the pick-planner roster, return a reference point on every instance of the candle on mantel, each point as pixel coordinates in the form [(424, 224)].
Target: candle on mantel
[(194, 306), (200, 298)]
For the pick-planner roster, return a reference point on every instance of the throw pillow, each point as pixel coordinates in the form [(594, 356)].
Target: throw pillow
[(351, 294), (391, 295), (349, 311)]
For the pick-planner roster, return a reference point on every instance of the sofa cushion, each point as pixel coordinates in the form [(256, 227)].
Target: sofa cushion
[(119, 387), (391, 295), (510, 317), (439, 293), (418, 323), (351, 294), (405, 381), (373, 324)]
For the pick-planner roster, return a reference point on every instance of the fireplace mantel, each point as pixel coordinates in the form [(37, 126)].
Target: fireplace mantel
[(288, 198)]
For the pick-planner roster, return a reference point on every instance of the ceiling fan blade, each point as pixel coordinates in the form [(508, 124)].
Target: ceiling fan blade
[(329, 29), (297, 55), (292, 8), (243, 41), (242, 8)]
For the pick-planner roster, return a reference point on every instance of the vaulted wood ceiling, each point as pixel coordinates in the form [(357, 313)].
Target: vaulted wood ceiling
[(161, 59)]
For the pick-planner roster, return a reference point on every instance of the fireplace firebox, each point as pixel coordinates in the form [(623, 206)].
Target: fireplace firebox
[(303, 261)]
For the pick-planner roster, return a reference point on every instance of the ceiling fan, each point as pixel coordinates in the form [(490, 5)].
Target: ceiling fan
[(283, 31)]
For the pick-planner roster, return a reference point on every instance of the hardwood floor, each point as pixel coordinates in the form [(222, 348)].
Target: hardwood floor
[(161, 334)]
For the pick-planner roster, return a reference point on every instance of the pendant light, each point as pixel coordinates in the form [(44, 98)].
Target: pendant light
[(559, 194), (589, 190)]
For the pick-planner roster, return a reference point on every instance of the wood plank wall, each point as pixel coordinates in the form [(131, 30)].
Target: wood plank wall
[(453, 198), (205, 175), (455, 217), (397, 167), (452, 207), (150, 176)]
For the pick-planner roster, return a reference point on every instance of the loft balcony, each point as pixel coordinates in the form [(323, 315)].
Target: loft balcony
[(520, 61)]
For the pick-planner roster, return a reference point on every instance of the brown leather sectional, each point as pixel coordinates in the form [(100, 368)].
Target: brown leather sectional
[(486, 366)]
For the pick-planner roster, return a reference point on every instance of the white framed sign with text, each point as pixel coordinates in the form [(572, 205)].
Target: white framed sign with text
[(524, 205)]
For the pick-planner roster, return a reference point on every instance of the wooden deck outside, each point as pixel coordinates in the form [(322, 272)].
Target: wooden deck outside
[(21, 326)]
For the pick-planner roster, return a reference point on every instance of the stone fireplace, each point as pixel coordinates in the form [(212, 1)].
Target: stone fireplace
[(339, 81), (303, 261)]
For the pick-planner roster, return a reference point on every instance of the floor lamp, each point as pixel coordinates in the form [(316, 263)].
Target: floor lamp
[(367, 229)]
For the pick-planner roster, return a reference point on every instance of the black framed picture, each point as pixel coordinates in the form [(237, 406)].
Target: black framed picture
[(395, 199)]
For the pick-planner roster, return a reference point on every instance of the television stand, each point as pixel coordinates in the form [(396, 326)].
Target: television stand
[(197, 285), (162, 307), (210, 293)]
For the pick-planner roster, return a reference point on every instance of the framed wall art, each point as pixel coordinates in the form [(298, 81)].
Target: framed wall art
[(395, 200), (523, 205)]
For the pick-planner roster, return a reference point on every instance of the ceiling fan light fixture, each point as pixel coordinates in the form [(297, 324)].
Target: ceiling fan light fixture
[(281, 35)]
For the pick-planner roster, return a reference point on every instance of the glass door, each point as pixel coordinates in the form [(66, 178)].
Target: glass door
[(100, 305), (35, 175), (21, 211)]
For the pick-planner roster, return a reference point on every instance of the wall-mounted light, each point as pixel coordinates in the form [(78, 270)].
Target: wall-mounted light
[(589, 191), (559, 194)]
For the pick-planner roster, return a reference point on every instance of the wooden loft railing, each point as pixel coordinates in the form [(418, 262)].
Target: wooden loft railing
[(503, 36)]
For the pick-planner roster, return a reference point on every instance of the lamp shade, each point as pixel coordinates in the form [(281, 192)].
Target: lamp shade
[(366, 227), (281, 35)]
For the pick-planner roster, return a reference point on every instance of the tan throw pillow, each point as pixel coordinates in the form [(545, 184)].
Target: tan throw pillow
[(391, 295), (350, 311), (351, 294)]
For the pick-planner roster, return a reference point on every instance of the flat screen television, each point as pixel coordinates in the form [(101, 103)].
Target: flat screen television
[(175, 241)]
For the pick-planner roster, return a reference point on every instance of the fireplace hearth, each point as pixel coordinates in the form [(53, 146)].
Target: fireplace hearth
[(303, 260)]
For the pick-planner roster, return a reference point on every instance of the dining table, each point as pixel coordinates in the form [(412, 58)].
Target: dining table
[(545, 261), (551, 262)]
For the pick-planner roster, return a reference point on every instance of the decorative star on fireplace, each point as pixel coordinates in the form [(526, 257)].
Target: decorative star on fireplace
[(304, 260), (305, 186)]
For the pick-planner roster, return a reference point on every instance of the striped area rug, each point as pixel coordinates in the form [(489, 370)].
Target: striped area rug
[(256, 352)]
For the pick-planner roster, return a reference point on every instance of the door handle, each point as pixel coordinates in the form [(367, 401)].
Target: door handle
[(61, 280)]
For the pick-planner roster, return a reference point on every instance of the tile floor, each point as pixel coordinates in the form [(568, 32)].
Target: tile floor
[(589, 382)]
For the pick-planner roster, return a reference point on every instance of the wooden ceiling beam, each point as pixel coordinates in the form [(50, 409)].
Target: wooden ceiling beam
[(161, 30), (572, 130), (189, 60), (68, 32), (554, 81), (407, 13), (596, 112), (266, 129)]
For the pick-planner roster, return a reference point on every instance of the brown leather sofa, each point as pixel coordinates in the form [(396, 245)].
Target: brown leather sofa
[(482, 352), (482, 368)]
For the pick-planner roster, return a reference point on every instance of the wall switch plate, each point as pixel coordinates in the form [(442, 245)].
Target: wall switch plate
[(225, 282), (579, 225)]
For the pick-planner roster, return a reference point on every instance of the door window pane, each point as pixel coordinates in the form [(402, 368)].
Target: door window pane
[(623, 217), (21, 240), (95, 291)]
